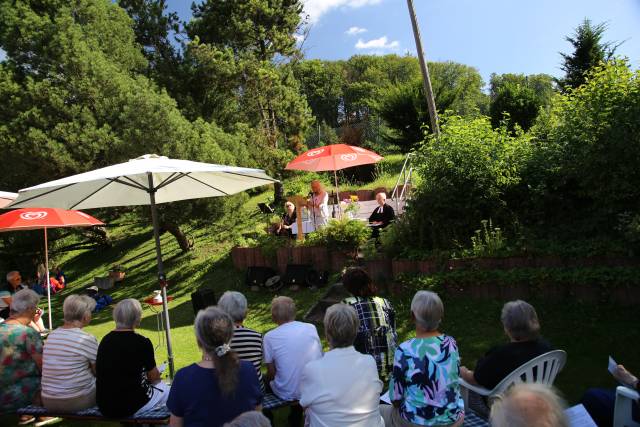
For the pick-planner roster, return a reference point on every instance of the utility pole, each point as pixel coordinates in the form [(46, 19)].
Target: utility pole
[(426, 80)]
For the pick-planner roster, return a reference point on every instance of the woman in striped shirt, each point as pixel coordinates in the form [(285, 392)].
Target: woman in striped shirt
[(246, 342), (69, 360)]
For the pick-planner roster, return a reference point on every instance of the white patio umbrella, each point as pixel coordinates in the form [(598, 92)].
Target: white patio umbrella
[(147, 180), (6, 198)]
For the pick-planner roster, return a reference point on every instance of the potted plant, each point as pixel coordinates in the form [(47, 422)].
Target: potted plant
[(342, 237)]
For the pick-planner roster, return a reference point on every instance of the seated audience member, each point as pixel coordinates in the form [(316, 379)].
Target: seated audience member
[(522, 327), (21, 355), (219, 387), (342, 388), (377, 331), (250, 419), (381, 216), (13, 285), (246, 342), (287, 349), (424, 386), (529, 405), (127, 378), (288, 219), (69, 360), (600, 402)]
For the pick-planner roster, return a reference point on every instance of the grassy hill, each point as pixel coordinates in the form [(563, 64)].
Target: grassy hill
[(588, 333)]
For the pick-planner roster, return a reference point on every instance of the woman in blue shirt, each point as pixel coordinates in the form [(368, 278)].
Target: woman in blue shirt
[(219, 387)]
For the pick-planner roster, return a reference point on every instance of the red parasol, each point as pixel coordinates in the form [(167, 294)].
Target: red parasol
[(333, 158), (43, 218)]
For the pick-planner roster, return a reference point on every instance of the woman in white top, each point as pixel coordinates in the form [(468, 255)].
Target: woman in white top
[(319, 204), (69, 360), (342, 388)]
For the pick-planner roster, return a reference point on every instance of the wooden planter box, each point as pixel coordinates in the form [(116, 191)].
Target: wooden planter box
[(380, 270), (319, 258), (458, 264), (400, 266), (364, 195), (338, 261), (239, 258), (344, 195), (283, 257), (427, 266)]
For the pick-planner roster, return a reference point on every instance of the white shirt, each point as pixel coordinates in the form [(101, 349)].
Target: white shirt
[(65, 363), (342, 389), (320, 214), (290, 347)]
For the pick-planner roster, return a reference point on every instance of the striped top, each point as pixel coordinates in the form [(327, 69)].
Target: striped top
[(247, 344), (65, 367)]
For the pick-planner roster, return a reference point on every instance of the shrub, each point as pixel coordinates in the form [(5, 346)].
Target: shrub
[(340, 234)]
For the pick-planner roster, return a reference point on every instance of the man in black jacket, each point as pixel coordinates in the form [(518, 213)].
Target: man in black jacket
[(381, 216)]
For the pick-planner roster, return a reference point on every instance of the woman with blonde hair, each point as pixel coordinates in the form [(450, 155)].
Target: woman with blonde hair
[(319, 204), (219, 387)]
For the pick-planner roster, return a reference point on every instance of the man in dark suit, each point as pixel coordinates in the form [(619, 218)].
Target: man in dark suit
[(381, 216)]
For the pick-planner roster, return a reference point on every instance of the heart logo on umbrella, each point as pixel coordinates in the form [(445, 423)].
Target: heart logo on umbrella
[(30, 216), (313, 153), (349, 157)]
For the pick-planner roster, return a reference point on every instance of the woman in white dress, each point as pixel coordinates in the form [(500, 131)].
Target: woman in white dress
[(319, 204)]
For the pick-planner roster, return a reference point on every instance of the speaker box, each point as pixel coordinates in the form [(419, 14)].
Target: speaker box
[(301, 275), (203, 298), (258, 276)]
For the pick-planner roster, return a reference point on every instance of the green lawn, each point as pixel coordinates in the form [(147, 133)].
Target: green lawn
[(588, 333)]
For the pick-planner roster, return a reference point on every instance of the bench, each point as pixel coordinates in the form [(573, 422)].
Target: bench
[(155, 416)]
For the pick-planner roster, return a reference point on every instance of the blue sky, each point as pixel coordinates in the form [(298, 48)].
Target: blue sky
[(499, 36)]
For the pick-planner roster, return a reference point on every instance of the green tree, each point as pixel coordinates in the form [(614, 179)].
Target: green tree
[(74, 98), (588, 51), (456, 87), (520, 97)]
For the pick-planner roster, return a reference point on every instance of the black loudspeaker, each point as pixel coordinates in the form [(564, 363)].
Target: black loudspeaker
[(301, 275), (203, 298), (258, 276)]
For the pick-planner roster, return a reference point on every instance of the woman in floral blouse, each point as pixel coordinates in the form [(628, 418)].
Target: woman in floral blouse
[(424, 386), (20, 354)]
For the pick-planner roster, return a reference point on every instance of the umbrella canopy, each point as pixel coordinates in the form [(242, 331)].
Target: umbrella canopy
[(43, 218), (38, 218), (6, 198), (333, 157), (128, 184), (147, 180)]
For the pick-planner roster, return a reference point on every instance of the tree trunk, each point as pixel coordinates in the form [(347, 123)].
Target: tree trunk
[(174, 229)]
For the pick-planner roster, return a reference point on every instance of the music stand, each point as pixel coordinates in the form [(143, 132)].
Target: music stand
[(267, 211)]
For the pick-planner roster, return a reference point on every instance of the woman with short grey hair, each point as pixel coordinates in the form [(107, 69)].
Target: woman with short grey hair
[(522, 327), (122, 356), (342, 388), (21, 353), (246, 342), (69, 366), (424, 387)]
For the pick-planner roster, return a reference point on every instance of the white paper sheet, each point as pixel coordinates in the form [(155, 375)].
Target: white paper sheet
[(579, 417), (612, 365)]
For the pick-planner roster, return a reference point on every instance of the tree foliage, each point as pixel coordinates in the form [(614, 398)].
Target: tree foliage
[(517, 98), (589, 50)]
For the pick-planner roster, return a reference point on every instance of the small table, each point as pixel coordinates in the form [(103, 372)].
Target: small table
[(153, 306)]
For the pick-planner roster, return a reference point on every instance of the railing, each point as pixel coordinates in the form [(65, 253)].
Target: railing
[(401, 195)]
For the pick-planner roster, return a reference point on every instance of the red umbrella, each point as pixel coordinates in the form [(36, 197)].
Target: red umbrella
[(333, 158), (44, 218)]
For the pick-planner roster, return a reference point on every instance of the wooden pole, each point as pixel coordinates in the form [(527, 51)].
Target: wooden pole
[(426, 80)]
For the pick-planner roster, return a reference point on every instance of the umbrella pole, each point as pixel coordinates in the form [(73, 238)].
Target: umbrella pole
[(335, 176), (48, 283), (161, 277)]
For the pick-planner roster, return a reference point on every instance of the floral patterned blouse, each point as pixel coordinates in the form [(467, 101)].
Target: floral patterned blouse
[(19, 374), (425, 381)]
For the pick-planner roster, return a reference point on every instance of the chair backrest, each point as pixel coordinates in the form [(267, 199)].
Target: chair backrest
[(542, 369)]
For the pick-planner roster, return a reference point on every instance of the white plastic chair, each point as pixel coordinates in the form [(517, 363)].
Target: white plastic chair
[(622, 412), (546, 368)]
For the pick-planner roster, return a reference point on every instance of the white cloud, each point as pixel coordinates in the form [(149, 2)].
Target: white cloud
[(378, 44), (316, 8), (355, 30)]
